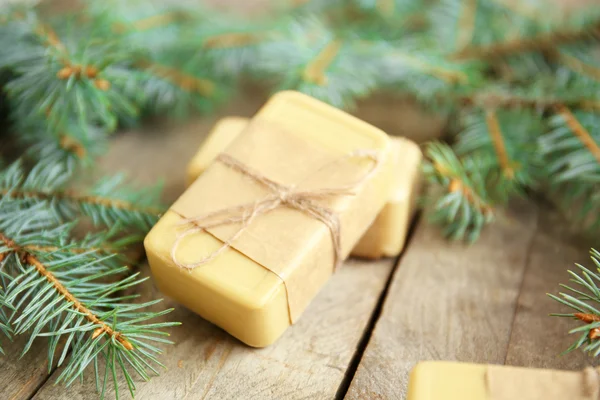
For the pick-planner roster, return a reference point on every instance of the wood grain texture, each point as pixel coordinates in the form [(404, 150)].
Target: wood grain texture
[(309, 361), (537, 339), (447, 301), (20, 377)]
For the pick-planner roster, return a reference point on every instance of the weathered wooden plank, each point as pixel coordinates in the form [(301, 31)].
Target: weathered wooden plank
[(20, 377), (447, 301), (309, 361), (537, 339)]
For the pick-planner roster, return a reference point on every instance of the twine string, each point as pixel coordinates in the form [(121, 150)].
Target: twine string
[(282, 195)]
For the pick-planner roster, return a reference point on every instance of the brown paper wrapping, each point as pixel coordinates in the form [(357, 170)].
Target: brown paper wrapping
[(291, 244), (508, 383)]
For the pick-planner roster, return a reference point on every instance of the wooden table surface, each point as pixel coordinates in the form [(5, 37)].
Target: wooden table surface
[(373, 321)]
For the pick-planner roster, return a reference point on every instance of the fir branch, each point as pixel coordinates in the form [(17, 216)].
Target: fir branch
[(506, 140), (429, 76), (581, 298), (539, 43), (84, 201), (30, 259), (158, 20), (577, 65), (48, 37), (579, 131), (522, 8), (182, 80), (386, 7), (505, 99), (466, 23), (230, 40), (316, 69), (70, 147), (493, 126), (448, 75), (108, 203), (109, 250), (59, 294), (571, 153), (464, 209)]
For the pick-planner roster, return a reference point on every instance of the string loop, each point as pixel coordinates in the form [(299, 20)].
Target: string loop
[(282, 195)]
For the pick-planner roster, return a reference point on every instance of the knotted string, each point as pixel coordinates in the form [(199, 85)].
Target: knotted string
[(282, 195)]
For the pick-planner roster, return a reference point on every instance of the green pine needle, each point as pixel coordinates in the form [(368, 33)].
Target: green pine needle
[(583, 296)]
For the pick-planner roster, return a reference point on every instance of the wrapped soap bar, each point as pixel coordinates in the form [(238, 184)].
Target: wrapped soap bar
[(254, 238), (442, 380), (387, 235)]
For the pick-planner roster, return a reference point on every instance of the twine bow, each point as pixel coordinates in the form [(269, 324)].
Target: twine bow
[(282, 195)]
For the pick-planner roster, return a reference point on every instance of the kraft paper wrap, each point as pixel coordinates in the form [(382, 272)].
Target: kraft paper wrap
[(291, 244), (507, 383)]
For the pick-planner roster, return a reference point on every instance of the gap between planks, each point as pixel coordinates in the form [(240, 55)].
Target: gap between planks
[(484, 303), (447, 301), (364, 340), (521, 286)]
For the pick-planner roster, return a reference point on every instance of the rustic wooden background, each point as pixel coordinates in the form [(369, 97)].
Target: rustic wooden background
[(373, 321)]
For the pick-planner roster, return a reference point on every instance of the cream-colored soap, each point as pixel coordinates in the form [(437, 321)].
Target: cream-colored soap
[(238, 294), (387, 235), (443, 380), (221, 136), (440, 380)]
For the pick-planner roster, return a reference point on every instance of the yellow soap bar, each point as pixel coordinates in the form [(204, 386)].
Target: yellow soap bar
[(387, 235), (443, 380), (222, 134), (238, 294)]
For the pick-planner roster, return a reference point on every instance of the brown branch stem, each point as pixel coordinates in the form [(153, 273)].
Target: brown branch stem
[(577, 65), (457, 185), (466, 23), (89, 199), (156, 21), (232, 39), (386, 7), (73, 250), (64, 292), (182, 80), (72, 145), (587, 318), (444, 74), (491, 119), (542, 42), (315, 71), (494, 100), (579, 131)]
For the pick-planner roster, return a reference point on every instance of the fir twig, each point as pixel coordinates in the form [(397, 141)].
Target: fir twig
[(57, 293), (581, 298), (464, 209), (27, 257), (106, 204), (540, 43), (493, 125), (579, 131)]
